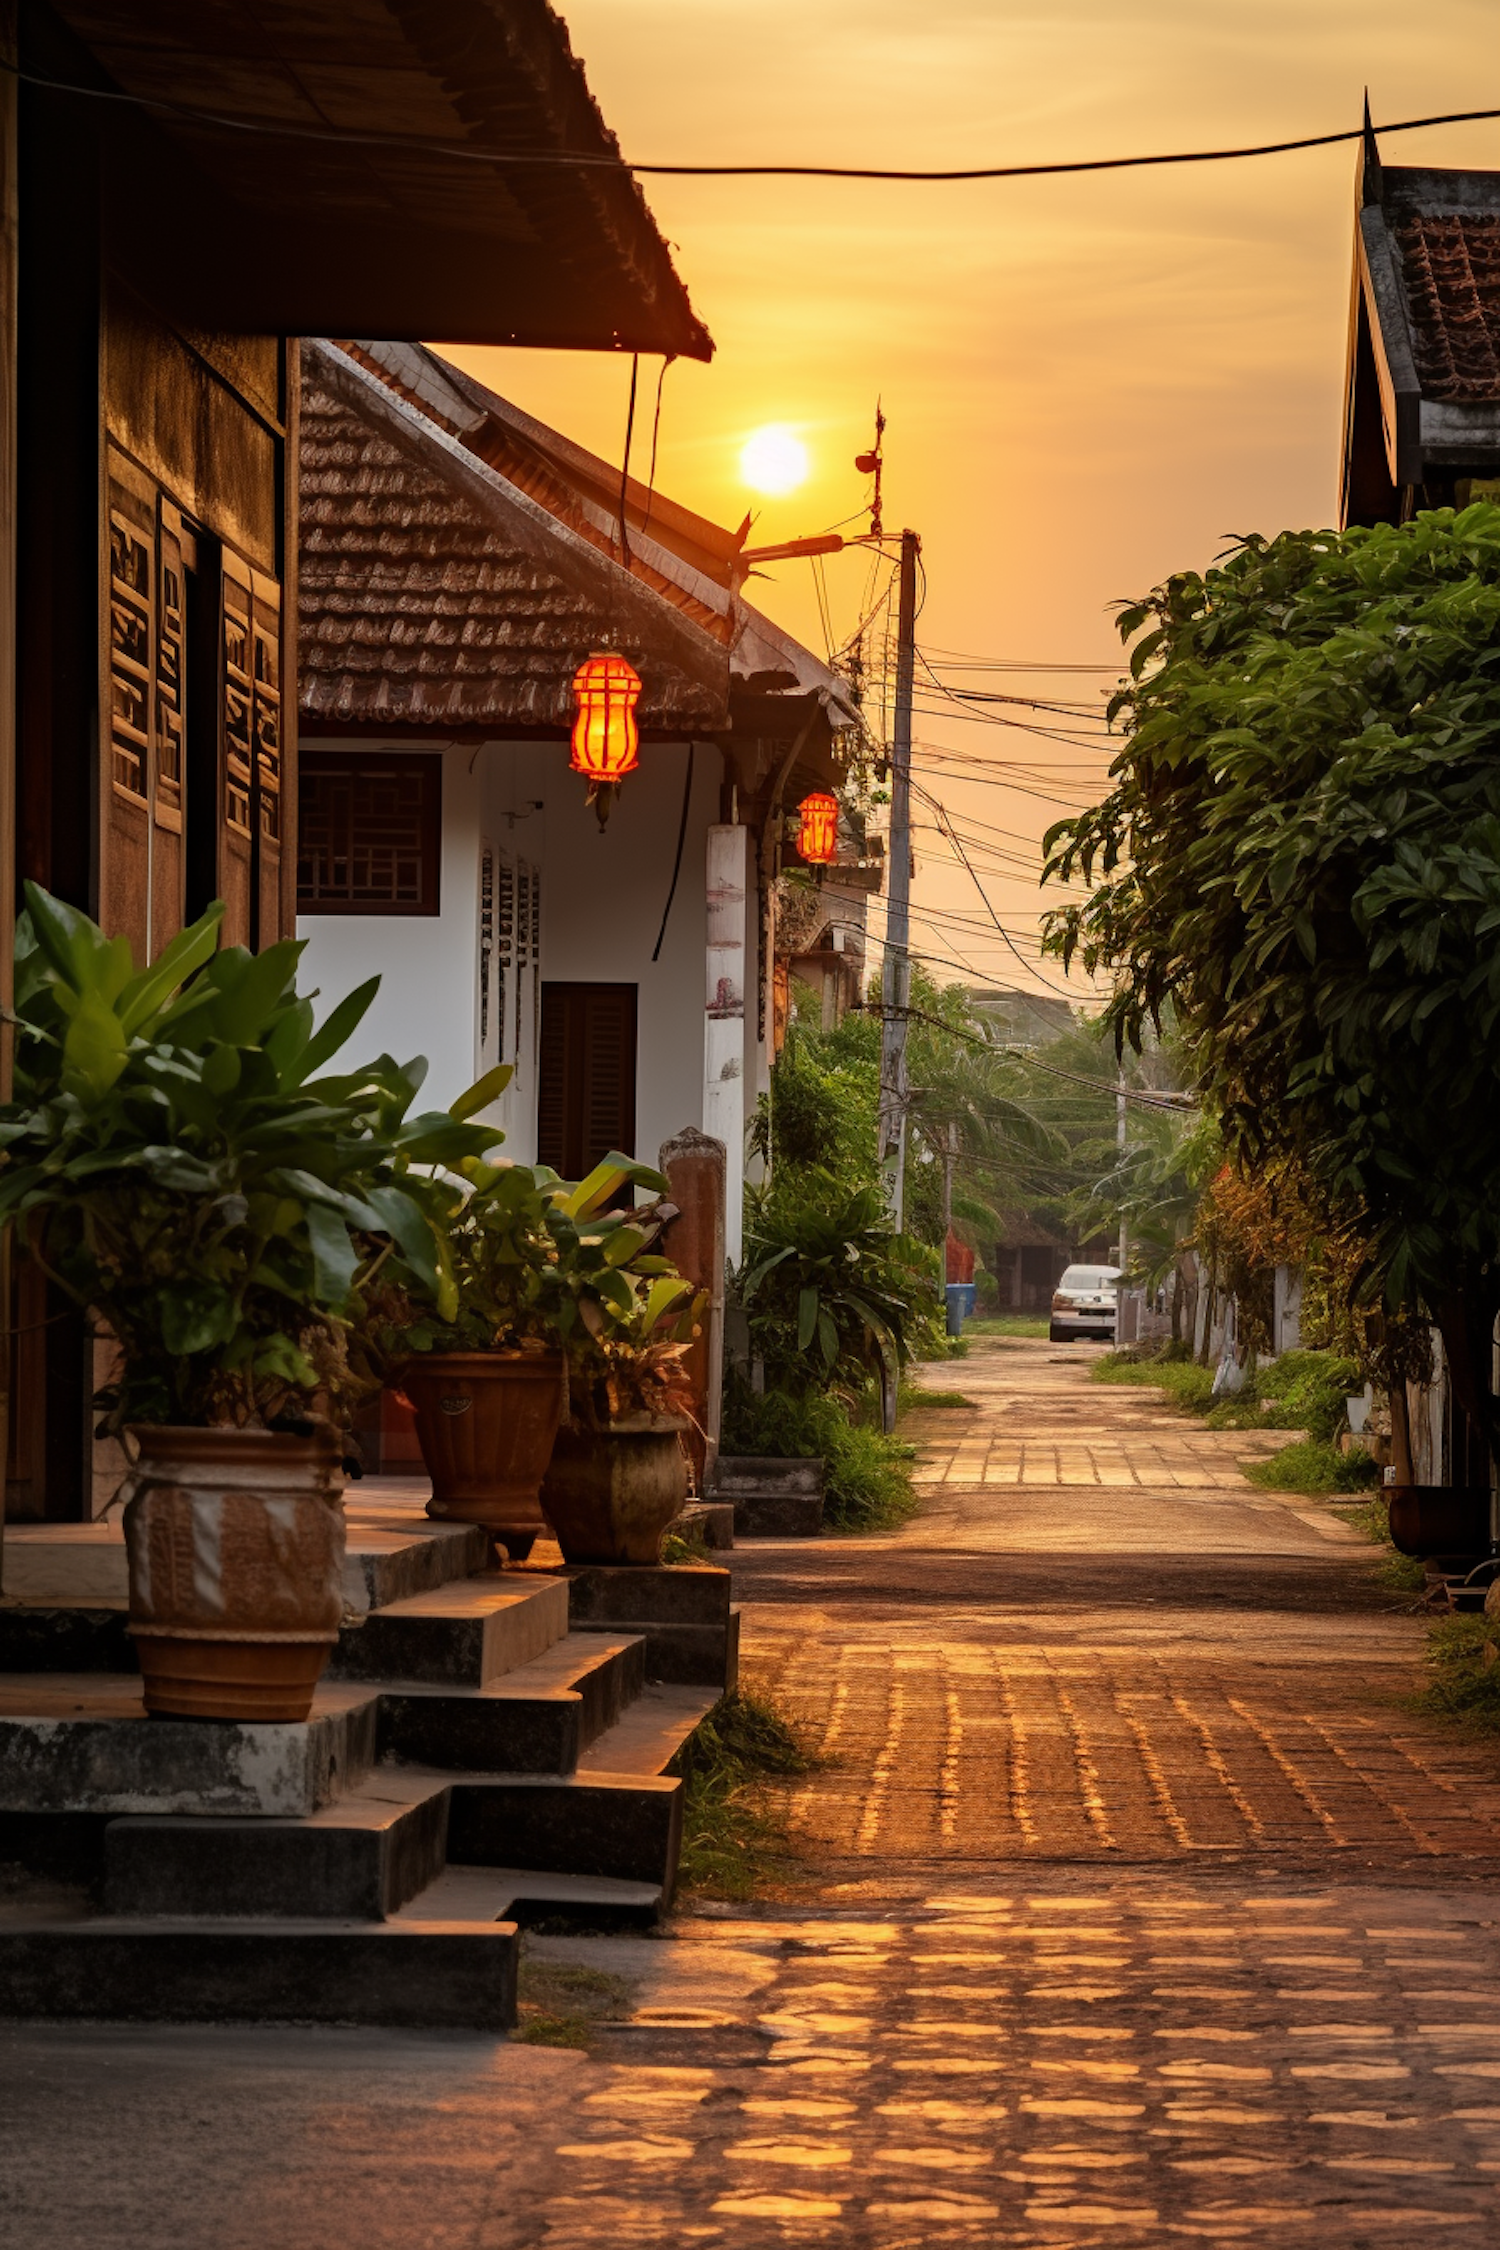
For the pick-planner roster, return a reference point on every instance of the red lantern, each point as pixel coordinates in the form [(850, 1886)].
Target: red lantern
[(606, 739), (818, 828)]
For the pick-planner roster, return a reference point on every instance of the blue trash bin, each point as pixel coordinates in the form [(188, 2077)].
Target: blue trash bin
[(955, 1293)]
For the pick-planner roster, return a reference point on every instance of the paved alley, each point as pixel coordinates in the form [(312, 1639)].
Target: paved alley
[(1131, 1906)]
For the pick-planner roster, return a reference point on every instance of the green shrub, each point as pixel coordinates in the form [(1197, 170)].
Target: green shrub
[(1463, 1655), (867, 1475), (1313, 1466), (1308, 1391)]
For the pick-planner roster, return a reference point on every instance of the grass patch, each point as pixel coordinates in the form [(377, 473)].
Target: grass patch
[(558, 2003), (1463, 1657), (1187, 1385), (916, 1398), (867, 1476), (1315, 1467), (1403, 1574), (732, 1824), (685, 1547), (1007, 1324)]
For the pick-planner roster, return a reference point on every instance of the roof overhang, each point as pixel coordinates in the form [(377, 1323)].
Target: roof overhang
[(361, 166)]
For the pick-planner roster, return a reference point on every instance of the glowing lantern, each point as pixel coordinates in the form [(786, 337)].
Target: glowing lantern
[(606, 739), (818, 828)]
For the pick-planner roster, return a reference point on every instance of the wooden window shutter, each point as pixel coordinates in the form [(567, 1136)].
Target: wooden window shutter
[(265, 730), (176, 554), (125, 776), (486, 954), (586, 1075), (237, 767)]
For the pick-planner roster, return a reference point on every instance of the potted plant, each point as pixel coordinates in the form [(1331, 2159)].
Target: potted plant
[(619, 1470), (177, 1159), (530, 1255), (487, 1385)]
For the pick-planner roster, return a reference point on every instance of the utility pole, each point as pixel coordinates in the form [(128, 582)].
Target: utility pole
[(896, 982), (1120, 1106)]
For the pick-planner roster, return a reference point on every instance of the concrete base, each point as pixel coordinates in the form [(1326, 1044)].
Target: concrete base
[(772, 1498), (778, 1515), (84, 1744), (406, 1973)]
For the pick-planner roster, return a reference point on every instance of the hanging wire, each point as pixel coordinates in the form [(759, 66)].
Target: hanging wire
[(635, 369), (655, 436)]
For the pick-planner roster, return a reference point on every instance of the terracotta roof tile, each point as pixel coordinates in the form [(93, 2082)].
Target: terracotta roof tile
[(1451, 266)]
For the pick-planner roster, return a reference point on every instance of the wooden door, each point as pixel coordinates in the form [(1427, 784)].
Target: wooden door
[(586, 1077)]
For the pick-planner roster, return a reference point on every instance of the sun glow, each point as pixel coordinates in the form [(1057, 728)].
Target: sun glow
[(773, 460)]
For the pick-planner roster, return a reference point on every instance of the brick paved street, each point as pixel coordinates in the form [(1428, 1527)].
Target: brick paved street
[(1133, 1907)]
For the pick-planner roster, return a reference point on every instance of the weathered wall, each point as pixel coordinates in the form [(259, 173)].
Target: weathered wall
[(602, 901)]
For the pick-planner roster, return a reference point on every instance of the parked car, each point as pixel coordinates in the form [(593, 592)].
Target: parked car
[(1084, 1304)]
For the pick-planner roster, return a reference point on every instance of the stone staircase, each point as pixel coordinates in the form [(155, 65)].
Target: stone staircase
[(486, 1747)]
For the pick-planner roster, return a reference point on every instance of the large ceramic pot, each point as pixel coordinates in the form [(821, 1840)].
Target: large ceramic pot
[(1439, 1519), (486, 1422), (610, 1494), (235, 1546)]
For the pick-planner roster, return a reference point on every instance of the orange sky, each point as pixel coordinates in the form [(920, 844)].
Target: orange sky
[(1088, 381)]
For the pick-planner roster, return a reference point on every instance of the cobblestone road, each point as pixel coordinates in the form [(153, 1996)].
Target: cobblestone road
[(1133, 1908)]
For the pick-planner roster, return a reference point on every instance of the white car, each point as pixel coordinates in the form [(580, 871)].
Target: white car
[(1084, 1304)]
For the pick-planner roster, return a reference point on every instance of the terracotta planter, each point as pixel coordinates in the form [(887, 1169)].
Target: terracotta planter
[(486, 1422), (609, 1495), (235, 1546), (1439, 1519)]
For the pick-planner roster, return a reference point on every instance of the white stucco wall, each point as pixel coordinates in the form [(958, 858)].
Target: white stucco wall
[(602, 900)]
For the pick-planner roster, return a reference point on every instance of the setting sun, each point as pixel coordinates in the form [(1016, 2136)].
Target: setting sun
[(773, 461)]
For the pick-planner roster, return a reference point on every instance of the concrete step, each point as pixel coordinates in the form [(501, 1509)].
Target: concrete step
[(648, 1736), (626, 1826), (619, 1815), (684, 1613), (391, 1554), (359, 1859), (414, 1971), (519, 1894), (464, 1634), (537, 1718), (81, 1743)]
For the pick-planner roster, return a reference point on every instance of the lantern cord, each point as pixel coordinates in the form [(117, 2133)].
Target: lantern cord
[(655, 435), (687, 798), (635, 369)]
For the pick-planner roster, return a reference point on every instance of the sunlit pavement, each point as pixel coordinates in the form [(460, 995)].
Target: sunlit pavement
[(1133, 1906)]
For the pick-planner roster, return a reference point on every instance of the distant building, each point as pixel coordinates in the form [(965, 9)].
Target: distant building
[(1422, 404)]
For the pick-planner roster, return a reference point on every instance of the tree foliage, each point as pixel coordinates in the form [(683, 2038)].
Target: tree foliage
[(1301, 857)]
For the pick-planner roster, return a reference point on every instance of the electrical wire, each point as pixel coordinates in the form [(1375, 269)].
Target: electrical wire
[(1000, 926), (411, 144)]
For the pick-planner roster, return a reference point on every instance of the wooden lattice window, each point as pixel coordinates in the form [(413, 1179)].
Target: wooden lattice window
[(369, 833)]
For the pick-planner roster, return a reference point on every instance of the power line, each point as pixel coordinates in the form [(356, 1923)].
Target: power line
[(466, 152)]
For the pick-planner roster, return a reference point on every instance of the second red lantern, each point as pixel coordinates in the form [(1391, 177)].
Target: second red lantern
[(818, 828)]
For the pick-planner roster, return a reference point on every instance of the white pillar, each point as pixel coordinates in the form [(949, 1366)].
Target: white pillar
[(730, 898)]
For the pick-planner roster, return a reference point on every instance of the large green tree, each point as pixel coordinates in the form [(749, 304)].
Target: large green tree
[(1300, 856)]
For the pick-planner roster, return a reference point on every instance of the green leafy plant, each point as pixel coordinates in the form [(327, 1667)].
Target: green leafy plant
[(179, 1160), (543, 1264), (1315, 1467), (829, 1288), (867, 1476), (1301, 858)]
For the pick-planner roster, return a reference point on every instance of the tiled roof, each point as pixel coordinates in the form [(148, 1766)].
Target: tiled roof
[(434, 592), (458, 561), (1451, 267)]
